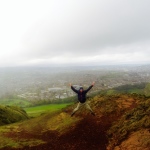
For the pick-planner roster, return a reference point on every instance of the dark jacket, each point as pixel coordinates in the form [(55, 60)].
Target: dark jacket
[(81, 95)]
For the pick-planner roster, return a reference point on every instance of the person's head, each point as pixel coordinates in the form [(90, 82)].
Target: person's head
[(81, 89)]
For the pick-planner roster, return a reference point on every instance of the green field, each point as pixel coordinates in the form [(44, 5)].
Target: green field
[(34, 110), (38, 110), (15, 102)]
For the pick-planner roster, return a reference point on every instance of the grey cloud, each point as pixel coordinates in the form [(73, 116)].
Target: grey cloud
[(90, 27), (87, 28)]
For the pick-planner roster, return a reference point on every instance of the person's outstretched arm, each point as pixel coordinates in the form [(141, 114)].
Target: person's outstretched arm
[(90, 87), (76, 91)]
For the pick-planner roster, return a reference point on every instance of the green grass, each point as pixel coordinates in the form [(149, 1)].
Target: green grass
[(38, 110), (11, 114), (15, 102), (21, 134), (9, 142)]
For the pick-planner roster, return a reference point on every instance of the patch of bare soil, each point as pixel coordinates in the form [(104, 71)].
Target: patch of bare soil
[(87, 134), (137, 140)]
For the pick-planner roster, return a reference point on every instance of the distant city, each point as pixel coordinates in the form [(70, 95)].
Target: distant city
[(53, 83)]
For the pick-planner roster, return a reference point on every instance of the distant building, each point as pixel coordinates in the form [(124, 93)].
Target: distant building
[(54, 89), (61, 96), (44, 91)]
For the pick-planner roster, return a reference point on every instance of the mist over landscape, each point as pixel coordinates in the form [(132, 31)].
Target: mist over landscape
[(51, 83)]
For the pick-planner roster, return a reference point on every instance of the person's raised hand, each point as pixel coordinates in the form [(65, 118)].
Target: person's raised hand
[(70, 84), (93, 83)]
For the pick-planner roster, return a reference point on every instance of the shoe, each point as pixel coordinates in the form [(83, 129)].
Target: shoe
[(72, 114), (93, 113)]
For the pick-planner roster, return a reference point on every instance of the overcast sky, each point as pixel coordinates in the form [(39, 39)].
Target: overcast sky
[(74, 32)]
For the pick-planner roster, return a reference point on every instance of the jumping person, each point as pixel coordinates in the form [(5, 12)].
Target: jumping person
[(82, 98)]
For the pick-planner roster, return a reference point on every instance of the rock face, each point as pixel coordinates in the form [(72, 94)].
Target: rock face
[(139, 140)]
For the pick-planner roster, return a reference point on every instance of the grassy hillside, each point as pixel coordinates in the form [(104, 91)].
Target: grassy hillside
[(141, 88), (38, 110), (11, 114), (119, 119), (36, 131), (15, 102), (147, 89), (135, 88), (136, 119)]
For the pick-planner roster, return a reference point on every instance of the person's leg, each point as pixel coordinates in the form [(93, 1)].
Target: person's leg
[(76, 109), (89, 108)]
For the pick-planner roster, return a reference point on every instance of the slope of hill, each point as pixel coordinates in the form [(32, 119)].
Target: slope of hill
[(147, 89), (83, 131), (15, 102), (11, 114), (133, 127)]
